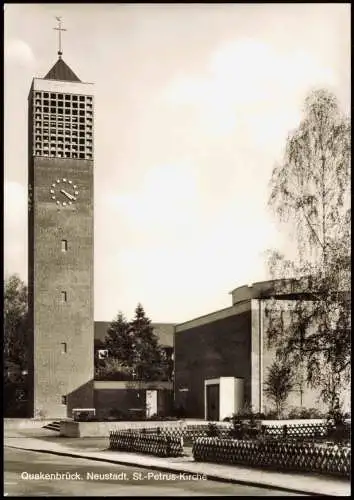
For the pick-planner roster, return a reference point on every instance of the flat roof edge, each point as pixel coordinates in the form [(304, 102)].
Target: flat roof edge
[(213, 316)]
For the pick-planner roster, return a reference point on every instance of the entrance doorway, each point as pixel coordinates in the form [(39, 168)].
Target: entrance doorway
[(213, 401)]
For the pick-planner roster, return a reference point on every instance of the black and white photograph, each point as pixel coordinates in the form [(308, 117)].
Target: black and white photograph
[(177, 249)]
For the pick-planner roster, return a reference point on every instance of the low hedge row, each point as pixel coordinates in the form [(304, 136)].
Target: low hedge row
[(154, 444), (275, 455)]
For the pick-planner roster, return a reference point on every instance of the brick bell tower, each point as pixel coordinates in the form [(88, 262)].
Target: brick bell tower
[(60, 241)]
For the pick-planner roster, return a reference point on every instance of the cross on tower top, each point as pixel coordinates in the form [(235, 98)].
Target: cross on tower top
[(59, 29)]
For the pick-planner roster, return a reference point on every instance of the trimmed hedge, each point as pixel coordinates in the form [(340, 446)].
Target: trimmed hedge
[(154, 444), (275, 455)]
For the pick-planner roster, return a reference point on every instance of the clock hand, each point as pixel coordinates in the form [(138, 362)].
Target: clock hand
[(67, 194)]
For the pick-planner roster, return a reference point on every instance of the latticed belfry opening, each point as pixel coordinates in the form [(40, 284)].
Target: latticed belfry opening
[(63, 125)]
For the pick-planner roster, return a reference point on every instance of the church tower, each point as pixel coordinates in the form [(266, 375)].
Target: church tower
[(60, 241)]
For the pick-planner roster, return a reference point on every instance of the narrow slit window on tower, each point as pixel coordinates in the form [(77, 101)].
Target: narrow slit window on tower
[(64, 400), (64, 245), (64, 296), (64, 347)]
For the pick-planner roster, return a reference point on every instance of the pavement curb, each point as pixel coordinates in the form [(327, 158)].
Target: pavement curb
[(162, 468)]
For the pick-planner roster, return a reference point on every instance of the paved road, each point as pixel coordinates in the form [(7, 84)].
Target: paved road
[(124, 480)]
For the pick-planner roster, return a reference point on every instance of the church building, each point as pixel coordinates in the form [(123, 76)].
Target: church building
[(221, 360)]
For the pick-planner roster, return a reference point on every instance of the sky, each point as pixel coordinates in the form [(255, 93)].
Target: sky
[(193, 106)]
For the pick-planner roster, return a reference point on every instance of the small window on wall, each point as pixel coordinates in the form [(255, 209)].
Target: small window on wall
[(64, 400), (64, 296), (64, 347), (64, 245)]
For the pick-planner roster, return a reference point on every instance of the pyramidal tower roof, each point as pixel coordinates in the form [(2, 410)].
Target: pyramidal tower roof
[(61, 71)]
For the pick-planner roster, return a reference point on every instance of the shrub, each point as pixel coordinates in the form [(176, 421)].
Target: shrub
[(278, 384), (336, 416), (154, 417), (299, 412), (259, 416), (245, 412), (271, 415), (212, 430), (337, 429), (244, 429)]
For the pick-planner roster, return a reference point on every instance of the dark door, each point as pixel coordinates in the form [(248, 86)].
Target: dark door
[(213, 397)]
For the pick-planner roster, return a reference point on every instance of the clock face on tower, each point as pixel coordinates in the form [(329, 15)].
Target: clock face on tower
[(64, 192)]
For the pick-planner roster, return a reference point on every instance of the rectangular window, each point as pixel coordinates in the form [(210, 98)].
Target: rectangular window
[(102, 353), (64, 296), (64, 245), (63, 347), (64, 400)]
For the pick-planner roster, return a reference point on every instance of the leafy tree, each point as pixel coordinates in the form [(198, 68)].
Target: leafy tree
[(278, 384), (111, 369), (119, 341), (133, 351), (148, 357), (16, 321), (311, 190), (16, 346)]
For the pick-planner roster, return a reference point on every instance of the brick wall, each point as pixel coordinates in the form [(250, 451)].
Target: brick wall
[(122, 400), (52, 271), (125, 400), (214, 349)]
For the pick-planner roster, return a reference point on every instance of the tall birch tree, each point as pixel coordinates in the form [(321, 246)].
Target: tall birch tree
[(310, 190)]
